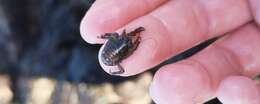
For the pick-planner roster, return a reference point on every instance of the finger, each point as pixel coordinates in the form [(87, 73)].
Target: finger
[(235, 54), (244, 46), (181, 83), (255, 6), (238, 90), (105, 16), (179, 25)]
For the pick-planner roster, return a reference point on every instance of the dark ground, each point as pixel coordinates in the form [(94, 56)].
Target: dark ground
[(40, 38)]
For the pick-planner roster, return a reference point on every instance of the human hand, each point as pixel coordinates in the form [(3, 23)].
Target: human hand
[(224, 70)]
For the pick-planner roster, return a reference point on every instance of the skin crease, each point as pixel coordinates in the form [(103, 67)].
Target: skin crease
[(172, 26)]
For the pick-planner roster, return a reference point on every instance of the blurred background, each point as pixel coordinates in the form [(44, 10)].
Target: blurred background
[(45, 61)]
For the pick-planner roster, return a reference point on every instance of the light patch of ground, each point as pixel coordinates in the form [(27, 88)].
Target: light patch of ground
[(42, 90), (6, 94), (48, 91), (129, 92)]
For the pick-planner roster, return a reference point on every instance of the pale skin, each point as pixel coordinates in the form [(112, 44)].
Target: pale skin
[(224, 70)]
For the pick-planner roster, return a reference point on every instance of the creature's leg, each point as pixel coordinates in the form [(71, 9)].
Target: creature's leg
[(136, 31), (124, 33), (139, 29), (120, 70), (136, 43), (108, 35)]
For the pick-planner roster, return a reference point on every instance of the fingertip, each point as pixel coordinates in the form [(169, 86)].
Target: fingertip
[(109, 16), (180, 84), (90, 31), (99, 20), (238, 90)]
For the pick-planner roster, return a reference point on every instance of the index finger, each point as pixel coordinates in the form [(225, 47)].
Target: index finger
[(178, 25), (171, 28)]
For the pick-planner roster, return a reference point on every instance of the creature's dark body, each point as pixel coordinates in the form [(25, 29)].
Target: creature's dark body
[(119, 47)]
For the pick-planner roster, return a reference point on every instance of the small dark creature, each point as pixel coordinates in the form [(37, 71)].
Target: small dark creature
[(119, 47)]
